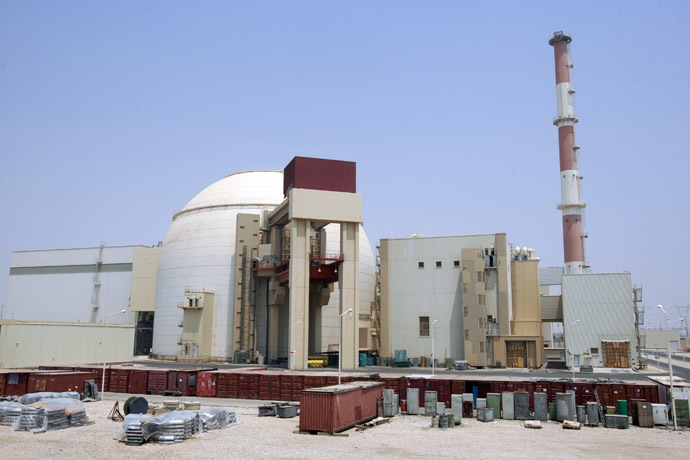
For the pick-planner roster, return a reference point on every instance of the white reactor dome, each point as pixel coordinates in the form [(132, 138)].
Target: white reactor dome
[(198, 254)]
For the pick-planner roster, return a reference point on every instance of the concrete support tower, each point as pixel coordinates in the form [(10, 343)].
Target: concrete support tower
[(571, 206)]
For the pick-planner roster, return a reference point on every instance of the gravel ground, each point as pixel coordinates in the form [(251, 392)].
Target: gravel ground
[(403, 437)]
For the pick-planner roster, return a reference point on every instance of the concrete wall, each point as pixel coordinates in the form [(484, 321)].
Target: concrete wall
[(29, 344), (58, 284), (658, 339), (144, 270), (408, 292)]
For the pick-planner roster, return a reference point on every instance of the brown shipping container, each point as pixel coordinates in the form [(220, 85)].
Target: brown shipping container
[(97, 375), (336, 408), (320, 174), (206, 383), (184, 380), (57, 381), (158, 381), (16, 382), (138, 381)]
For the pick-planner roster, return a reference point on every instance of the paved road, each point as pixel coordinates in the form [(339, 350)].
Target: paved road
[(680, 368)]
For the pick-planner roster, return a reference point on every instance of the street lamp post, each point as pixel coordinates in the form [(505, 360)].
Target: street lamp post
[(103, 350), (572, 354), (433, 341), (340, 341), (292, 347), (670, 370)]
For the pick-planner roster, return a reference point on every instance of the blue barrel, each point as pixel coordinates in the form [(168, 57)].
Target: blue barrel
[(362, 360), (370, 361)]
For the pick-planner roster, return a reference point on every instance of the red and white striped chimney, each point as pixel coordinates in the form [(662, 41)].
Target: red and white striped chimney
[(571, 206)]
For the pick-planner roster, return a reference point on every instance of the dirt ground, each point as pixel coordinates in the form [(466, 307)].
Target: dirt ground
[(404, 437)]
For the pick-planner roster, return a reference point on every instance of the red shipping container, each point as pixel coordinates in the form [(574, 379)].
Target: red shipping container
[(97, 373), (336, 408), (158, 381), (138, 381), (16, 382), (118, 380), (206, 383), (458, 387), (57, 381), (184, 381)]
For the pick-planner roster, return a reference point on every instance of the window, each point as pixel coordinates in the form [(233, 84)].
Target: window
[(464, 265), (424, 326), (241, 226), (480, 277), (191, 302), (594, 351), (456, 264), (438, 264), (481, 347), (421, 264), (481, 299), (467, 334), (464, 288), (467, 311), (196, 302)]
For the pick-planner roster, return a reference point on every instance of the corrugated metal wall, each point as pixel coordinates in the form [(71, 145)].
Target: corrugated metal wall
[(603, 305)]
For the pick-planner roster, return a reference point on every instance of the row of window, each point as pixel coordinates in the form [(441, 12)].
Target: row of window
[(424, 326), (439, 264)]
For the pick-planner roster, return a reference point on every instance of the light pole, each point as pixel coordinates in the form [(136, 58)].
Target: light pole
[(433, 341), (103, 349), (572, 354), (292, 347), (340, 341), (670, 370), (682, 320)]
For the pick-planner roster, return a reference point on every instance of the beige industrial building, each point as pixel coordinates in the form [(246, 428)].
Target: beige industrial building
[(466, 297), (656, 339), (36, 343)]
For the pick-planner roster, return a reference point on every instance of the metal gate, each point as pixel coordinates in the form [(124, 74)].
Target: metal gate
[(616, 354), (517, 354)]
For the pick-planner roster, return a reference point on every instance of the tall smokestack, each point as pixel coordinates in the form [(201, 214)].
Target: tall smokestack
[(571, 206)]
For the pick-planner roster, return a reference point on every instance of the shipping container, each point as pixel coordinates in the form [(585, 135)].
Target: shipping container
[(157, 382), (206, 383), (97, 373), (15, 381), (336, 408), (57, 381), (118, 380), (183, 381), (138, 381)]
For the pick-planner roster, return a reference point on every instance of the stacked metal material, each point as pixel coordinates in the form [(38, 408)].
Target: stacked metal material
[(56, 418), (28, 419), (133, 434), (133, 431), (12, 414), (170, 431), (77, 417)]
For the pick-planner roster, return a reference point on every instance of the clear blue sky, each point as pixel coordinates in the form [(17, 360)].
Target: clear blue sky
[(114, 114)]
